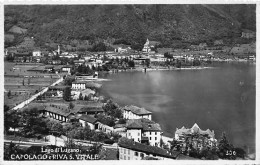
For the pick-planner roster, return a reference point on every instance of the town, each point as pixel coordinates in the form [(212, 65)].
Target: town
[(53, 98)]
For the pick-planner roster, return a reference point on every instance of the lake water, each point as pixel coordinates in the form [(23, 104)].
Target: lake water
[(221, 98)]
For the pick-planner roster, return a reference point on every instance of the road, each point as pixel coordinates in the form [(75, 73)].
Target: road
[(28, 144), (26, 102)]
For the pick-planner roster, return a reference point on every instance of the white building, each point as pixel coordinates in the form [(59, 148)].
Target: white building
[(66, 69), (79, 85), (134, 112), (182, 133), (88, 120), (144, 131), (146, 47), (36, 53)]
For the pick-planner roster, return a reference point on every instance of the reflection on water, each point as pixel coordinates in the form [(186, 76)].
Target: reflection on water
[(213, 98)]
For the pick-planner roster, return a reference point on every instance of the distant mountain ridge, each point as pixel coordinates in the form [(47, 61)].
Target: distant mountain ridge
[(167, 24)]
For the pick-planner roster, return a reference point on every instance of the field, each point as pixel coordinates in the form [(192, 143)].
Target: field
[(23, 83)]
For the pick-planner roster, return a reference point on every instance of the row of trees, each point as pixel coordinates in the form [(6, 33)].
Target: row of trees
[(31, 124)]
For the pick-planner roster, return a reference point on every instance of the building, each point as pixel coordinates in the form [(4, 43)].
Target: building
[(87, 77), (66, 68), (197, 137), (85, 84), (146, 47), (37, 53), (88, 120), (131, 150), (122, 48), (134, 112), (56, 112), (149, 45), (91, 108), (144, 131)]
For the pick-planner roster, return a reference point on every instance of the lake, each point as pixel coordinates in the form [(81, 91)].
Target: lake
[(221, 98)]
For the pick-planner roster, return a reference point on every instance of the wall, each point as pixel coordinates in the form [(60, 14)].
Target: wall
[(152, 135), (135, 134)]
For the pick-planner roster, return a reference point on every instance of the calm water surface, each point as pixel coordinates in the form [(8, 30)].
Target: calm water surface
[(221, 99)]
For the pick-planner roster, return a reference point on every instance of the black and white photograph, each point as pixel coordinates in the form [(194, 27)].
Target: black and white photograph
[(158, 82)]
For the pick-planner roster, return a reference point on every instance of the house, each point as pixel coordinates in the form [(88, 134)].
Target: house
[(58, 89), (144, 131), (88, 120), (56, 112), (49, 68), (131, 150), (103, 127), (122, 48), (134, 112), (78, 62), (141, 61), (196, 136), (91, 108), (146, 47), (37, 53), (85, 84), (149, 45), (66, 68), (85, 93)]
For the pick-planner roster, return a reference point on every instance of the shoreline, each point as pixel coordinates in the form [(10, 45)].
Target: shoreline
[(156, 69)]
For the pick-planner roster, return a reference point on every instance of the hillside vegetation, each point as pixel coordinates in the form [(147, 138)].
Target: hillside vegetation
[(169, 24)]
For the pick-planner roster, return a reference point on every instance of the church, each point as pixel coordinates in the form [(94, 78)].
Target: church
[(147, 46)]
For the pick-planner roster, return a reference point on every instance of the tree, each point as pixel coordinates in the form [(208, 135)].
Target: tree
[(54, 127), (226, 149), (122, 121), (86, 97), (67, 94), (32, 123), (112, 109), (168, 55), (23, 82), (11, 119), (68, 80), (9, 94), (196, 62), (131, 64), (29, 81), (178, 64), (11, 149), (80, 96), (71, 105), (240, 152)]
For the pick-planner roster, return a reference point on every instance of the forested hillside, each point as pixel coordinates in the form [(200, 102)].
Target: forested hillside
[(168, 24)]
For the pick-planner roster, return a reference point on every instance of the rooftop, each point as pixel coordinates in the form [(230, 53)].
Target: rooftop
[(88, 84), (137, 110), (88, 118), (145, 124), (59, 87), (130, 144), (194, 129), (91, 109)]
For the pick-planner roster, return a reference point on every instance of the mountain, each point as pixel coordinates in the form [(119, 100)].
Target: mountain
[(168, 24)]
